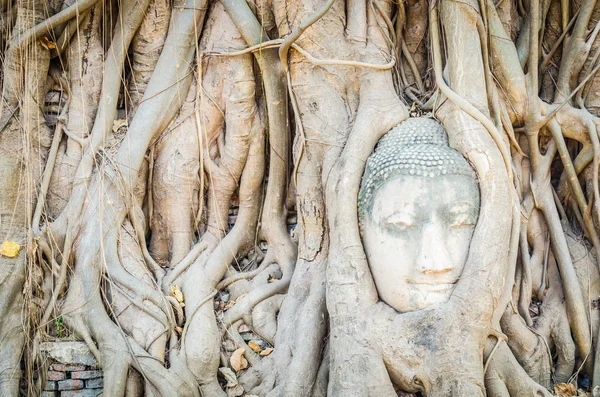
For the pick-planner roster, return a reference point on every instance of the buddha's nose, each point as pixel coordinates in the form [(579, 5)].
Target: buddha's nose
[(433, 255)]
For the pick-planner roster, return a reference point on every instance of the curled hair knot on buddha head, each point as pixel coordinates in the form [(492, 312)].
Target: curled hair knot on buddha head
[(418, 147)]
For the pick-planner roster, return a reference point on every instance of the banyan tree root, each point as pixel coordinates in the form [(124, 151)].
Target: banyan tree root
[(198, 95)]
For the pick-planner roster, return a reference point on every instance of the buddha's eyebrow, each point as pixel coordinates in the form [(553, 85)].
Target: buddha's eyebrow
[(461, 207), (403, 207)]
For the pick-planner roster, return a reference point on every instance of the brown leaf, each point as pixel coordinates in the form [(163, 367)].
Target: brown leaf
[(238, 361), (254, 346), (46, 43), (565, 390), (229, 376), (179, 330), (267, 351)]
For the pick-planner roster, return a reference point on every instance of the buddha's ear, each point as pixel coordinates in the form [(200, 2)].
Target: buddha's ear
[(488, 261)]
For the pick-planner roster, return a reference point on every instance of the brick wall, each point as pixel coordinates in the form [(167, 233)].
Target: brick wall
[(73, 371)]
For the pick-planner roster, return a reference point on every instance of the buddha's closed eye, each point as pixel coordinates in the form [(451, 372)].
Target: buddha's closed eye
[(400, 220), (462, 215)]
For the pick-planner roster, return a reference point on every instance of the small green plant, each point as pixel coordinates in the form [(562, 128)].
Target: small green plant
[(58, 323)]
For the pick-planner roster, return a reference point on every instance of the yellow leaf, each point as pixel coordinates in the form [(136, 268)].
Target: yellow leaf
[(176, 293), (238, 361), (254, 346), (565, 390), (267, 351), (46, 43), (10, 249), (118, 124)]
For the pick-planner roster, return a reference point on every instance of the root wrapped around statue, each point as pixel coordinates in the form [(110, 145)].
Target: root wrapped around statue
[(302, 198)]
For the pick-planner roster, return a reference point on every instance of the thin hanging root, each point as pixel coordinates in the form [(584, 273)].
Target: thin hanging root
[(340, 62), (525, 295), (66, 35), (136, 216), (290, 39), (548, 57), (275, 43), (400, 42), (50, 163), (413, 67), (556, 132)]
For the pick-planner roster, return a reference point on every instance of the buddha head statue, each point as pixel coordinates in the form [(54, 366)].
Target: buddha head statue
[(418, 206)]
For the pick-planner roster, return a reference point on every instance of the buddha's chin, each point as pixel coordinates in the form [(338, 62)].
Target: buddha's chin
[(420, 297)]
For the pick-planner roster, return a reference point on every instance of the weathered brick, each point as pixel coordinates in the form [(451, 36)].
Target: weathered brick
[(50, 385), (94, 383), (55, 375), (86, 374), (81, 393), (67, 368), (70, 384), (49, 394)]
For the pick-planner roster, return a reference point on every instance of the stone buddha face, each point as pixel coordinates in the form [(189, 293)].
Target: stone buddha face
[(418, 206)]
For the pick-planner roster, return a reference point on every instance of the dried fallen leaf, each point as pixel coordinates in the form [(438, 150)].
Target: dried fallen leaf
[(254, 346), (46, 43), (9, 249), (238, 361), (118, 124), (229, 376), (179, 330), (229, 305), (176, 293), (235, 391), (267, 351), (565, 390)]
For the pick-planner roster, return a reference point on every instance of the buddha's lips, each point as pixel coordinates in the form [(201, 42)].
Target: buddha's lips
[(433, 287), (431, 281)]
